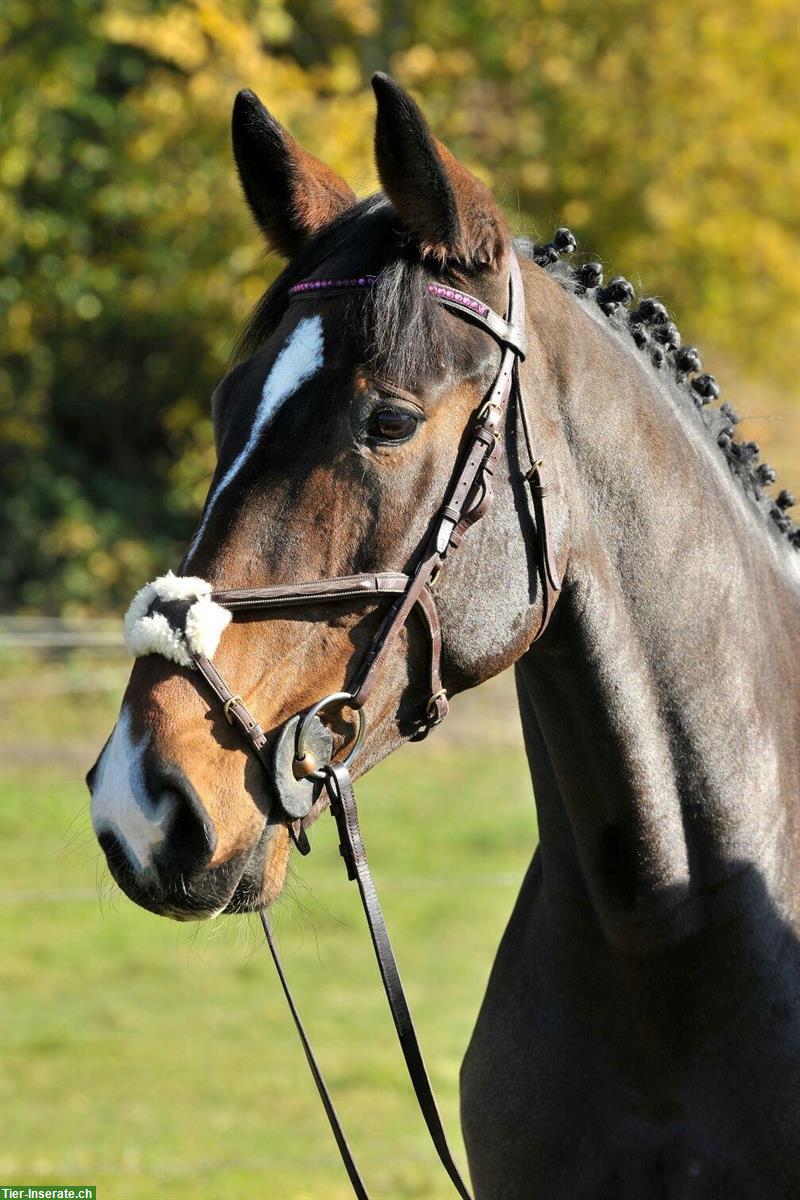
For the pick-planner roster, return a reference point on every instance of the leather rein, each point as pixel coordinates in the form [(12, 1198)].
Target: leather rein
[(298, 764)]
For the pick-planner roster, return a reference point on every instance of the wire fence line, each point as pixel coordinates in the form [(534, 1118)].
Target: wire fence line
[(61, 656), (61, 633)]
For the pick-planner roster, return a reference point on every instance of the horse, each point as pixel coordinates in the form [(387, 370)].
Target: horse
[(639, 1038)]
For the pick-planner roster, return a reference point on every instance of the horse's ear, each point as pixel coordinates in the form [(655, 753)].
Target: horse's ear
[(454, 215), (291, 194)]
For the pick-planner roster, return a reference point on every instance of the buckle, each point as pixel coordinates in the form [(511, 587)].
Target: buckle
[(432, 710), (487, 406), (226, 708)]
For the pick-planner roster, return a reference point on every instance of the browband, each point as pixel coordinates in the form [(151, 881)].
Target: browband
[(502, 330)]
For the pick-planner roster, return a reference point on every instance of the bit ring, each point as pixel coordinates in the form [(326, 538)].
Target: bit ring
[(300, 748)]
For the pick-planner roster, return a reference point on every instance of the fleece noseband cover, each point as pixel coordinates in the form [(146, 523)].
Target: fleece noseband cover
[(175, 616)]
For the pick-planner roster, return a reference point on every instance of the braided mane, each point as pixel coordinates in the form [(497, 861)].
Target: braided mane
[(659, 343)]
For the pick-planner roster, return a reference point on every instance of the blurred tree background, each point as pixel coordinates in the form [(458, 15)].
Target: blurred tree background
[(665, 135)]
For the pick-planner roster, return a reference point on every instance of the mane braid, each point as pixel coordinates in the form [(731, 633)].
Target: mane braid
[(658, 343)]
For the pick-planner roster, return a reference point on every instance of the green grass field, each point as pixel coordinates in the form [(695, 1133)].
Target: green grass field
[(158, 1060)]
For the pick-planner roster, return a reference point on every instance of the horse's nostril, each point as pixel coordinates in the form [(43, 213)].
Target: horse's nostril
[(190, 838)]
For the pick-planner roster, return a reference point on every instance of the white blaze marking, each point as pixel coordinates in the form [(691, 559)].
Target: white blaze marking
[(299, 360), (120, 803)]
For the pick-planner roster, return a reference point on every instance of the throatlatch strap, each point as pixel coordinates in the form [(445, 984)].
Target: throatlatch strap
[(548, 573)]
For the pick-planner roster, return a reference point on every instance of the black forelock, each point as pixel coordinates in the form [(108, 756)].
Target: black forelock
[(403, 329)]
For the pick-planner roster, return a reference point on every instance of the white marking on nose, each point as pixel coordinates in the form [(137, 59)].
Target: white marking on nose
[(298, 360), (120, 803)]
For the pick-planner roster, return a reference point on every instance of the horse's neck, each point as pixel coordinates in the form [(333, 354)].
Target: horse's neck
[(661, 711)]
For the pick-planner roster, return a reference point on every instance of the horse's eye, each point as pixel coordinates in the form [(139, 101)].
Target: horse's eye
[(391, 424)]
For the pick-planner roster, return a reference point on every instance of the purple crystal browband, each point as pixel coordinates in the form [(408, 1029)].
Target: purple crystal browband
[(447, 295)]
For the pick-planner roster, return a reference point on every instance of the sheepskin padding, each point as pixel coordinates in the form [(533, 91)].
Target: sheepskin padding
[(151, 633)]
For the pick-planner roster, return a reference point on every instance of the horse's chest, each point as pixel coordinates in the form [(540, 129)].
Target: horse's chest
[(561, 1103)]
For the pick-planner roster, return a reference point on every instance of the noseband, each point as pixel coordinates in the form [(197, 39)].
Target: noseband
[(296, 767)]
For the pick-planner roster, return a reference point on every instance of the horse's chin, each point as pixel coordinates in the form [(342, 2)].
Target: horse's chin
[(246, 883), (263, 878)]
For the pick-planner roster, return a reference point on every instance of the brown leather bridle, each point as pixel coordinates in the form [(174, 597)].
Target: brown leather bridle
[(469, 498)]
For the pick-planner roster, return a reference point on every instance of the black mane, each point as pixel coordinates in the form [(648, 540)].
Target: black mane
[(407, 333)]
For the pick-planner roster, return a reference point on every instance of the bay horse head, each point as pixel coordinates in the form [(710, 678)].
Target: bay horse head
[(344, 423)]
